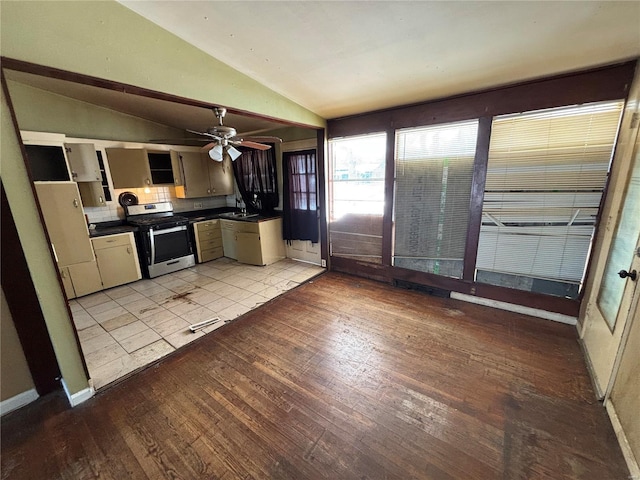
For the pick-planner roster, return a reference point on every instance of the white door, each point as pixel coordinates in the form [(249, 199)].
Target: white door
[(613, 289)]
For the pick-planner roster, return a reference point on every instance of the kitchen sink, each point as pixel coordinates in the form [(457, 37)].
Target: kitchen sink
[(239, 215)]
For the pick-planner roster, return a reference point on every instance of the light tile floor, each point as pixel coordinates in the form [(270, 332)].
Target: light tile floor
[(125, 328)]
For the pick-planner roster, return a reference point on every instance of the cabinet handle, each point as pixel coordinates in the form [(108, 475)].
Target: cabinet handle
[(63, 274), (75, 202), (129, 250), (148, 181), (74, 174), (101, 200)]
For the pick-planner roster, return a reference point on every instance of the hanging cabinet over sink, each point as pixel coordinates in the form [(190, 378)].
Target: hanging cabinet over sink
[(196, 175)]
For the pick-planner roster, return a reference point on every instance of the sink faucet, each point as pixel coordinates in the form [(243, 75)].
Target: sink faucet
[(243, 210)]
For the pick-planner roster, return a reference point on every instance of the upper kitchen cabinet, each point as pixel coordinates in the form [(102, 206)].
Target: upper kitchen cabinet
[(47, 163), (138, 167), (83, 162), (196, 175)]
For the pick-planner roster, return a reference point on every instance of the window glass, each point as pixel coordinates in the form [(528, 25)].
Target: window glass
[(356, 196), (434, 174), (546, 173)]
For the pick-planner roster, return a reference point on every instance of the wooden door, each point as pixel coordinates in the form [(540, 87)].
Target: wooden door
[(129, 167), (117, 265), (83, 162), (249, 249), (92, 194), (228, 228), (609, 297), (85, 278), (194, 174), (220, 176), (65, 221)]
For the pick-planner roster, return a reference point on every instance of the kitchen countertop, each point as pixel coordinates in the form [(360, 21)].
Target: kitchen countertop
[(227, 214), (120, 226), (110, 228)]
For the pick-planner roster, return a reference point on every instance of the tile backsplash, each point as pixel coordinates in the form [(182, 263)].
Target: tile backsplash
[(113, 210)]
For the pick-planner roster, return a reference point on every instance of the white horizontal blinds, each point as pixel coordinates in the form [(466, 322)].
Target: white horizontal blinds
[(545, 177), (356, 196), (434, 172)]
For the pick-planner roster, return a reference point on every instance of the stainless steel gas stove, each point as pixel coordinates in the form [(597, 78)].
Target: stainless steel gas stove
[(164, 244)]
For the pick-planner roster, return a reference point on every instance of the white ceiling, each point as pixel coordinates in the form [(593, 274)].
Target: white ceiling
[(339, 58)]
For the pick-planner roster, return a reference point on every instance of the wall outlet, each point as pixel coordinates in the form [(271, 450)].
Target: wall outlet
[(323, 263), (197, 204)]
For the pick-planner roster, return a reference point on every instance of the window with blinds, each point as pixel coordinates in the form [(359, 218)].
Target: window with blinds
[(546, 173), (356, 196), (434, 173)]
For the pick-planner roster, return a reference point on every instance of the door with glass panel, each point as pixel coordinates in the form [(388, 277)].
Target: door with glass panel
[(615, 292)]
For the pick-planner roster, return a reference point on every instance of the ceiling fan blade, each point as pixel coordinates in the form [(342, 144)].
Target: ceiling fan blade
[(206, 134), (257, 146), (209, 146), (266, 138)]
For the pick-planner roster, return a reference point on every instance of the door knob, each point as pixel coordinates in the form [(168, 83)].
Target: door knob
[(632, 274)]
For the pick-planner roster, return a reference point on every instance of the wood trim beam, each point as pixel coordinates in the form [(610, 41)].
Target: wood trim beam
[(322, 194), (477, 198), (389, 186), (600, 84), (36, 69), (24, 306), (388, 274)]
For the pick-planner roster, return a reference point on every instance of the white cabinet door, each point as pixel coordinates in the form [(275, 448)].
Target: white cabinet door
[(83, 162), (64, 218), (249, 248)]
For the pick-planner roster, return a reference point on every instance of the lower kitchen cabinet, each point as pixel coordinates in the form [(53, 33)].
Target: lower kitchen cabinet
[(208, 240), (81, 279), (253, 243), (117, 259), (228, 228)]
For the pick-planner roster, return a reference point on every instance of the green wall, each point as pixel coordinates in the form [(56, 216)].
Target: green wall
[(18, 189), (105, 40), (43, 111)]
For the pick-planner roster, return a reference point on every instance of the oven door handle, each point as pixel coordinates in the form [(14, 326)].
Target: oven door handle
[(153, 247), (170, 230)]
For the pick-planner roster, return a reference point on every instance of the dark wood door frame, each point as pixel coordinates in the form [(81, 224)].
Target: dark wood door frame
[(25, 308)]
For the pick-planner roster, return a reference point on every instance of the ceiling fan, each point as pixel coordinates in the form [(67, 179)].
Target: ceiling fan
[(224, 139)]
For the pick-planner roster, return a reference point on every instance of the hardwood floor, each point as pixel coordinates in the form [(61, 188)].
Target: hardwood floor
[(341, 378)]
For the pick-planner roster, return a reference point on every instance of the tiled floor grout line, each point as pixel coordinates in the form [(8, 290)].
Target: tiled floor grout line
[(128, 327)]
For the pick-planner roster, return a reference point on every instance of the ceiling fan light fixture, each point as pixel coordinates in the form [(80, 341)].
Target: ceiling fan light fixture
[(216, 153), (233, 152)]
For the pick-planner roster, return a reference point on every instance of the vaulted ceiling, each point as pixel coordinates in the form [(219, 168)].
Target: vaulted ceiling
[(343, 58)]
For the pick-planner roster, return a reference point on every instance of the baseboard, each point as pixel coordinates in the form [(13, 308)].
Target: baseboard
[(511, 307), (20, 400), (77, 398), (632, 462)]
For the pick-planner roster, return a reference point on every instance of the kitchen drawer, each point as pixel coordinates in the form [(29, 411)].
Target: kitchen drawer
[(208, 234), (214, 242), (247, 227), (109, 241), (207, 226), (210, 254), (228, 224)]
